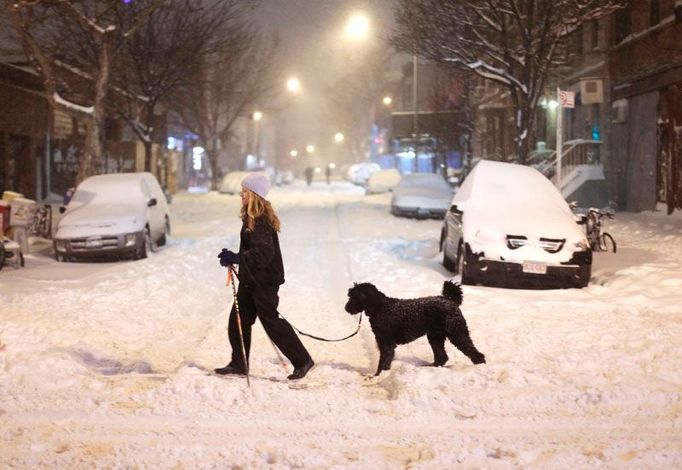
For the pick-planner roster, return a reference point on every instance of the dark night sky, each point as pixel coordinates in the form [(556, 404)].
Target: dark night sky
[(314, 49)]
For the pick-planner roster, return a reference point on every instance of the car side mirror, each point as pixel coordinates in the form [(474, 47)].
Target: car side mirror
[(152, 202), (581, 219), (455, 210), (62, 209)]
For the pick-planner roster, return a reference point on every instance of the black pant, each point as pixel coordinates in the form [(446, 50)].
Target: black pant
[(262, 303)]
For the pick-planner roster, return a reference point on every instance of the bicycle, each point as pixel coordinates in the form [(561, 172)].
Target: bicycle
[(598, 240), (42, 221)]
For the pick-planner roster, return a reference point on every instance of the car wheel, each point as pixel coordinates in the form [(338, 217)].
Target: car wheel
[(146, 246), (2, 254), (166, 232), (584, 274), (447, 261), (462, 264)]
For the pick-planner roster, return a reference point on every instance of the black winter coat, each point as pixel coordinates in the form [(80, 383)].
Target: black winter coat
[(260, 258)]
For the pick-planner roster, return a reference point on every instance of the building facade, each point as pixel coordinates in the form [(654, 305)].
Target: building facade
[(40, 147), (645, 66)]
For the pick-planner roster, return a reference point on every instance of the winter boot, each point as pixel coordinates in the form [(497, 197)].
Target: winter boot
[(300, 372)]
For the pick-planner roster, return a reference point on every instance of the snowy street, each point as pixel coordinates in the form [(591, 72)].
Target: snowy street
[(105, 364)]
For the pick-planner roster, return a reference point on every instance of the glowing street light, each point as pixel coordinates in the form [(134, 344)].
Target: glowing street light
[(310, 148), (338, 137), (387, 100), (257, 116), (294, 153), (293, 85), (357, 26)]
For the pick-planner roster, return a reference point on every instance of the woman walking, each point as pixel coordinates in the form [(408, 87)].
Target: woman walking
[(261, 272)]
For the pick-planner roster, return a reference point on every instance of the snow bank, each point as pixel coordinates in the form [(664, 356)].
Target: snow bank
[(105, 364)]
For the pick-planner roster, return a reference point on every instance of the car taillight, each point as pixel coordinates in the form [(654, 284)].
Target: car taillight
[(551, 245), (516, 241)]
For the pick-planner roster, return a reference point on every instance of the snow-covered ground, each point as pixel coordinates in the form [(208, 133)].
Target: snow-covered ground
[(104, 365)]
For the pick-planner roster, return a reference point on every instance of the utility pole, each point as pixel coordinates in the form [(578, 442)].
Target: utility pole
[(415, 117)]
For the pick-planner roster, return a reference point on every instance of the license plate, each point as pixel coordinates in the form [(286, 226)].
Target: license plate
[(94, 242), (534, 267)]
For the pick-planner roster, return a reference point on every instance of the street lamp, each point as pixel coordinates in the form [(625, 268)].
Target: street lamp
[(310, 148), (387, 100), (257, 116), (357, 26), (338, 137), (293, 85), (294, 153)]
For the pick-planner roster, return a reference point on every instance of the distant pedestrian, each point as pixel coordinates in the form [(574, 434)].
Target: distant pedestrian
[(261, 272), (328, 173), (309, 175)]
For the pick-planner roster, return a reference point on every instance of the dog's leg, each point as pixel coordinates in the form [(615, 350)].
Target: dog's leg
[(437, 342), (386, 354), (458, 334)]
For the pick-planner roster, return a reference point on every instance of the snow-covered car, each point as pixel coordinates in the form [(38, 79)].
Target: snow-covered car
[(382, 181), (113, 215), (359, 173), (421, 195), (232, 182), (509, 226), (284, 177)]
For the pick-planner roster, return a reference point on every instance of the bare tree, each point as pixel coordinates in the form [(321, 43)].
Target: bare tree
[(515, 43), (163, 58), (238, 71), (72, 45)]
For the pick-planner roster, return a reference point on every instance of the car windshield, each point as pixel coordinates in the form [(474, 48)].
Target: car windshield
[(423, 181), (509, 186), (107, 191)]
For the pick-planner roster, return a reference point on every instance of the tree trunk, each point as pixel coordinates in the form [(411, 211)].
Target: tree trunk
[(524, 118), (148, 156), (91, 152), (215, 173), (94, 138)]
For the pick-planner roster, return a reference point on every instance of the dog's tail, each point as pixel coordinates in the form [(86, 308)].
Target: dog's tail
[(453, 292)]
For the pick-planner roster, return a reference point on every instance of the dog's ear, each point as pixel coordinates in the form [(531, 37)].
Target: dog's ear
[(370, 296)]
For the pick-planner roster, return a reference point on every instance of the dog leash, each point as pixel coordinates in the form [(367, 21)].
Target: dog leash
[(318, 338)]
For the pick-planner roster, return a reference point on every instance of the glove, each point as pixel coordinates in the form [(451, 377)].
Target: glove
[(228, 257)]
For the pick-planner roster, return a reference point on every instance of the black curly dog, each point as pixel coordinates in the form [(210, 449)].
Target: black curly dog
[(401, 321)]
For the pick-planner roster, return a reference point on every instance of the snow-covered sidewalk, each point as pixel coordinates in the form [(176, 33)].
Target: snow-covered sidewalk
[(104, 364)]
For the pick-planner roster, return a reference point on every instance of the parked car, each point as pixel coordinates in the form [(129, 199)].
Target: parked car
[(114, 215), (232, 182), (284, 177), (359, 173), (421, 195), (383, 181), (509, 226)]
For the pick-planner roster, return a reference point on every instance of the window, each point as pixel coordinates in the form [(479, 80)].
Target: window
[(594, 36), (623, 24), (579, 41), (654, 12)]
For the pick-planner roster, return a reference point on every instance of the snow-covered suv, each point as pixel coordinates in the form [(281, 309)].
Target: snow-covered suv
[(509, 226), (114, 215)]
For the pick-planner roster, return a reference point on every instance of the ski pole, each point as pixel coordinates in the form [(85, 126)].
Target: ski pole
[(279, 355), (230, 272)]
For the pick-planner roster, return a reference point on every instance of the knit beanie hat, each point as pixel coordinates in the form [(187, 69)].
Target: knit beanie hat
[(258, 183)]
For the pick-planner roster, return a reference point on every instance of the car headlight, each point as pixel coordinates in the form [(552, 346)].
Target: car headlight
[(489, 236), (582, 244), (130, 239), (60, 245)]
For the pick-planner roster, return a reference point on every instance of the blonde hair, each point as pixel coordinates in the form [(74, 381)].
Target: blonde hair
[(255, 207)]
